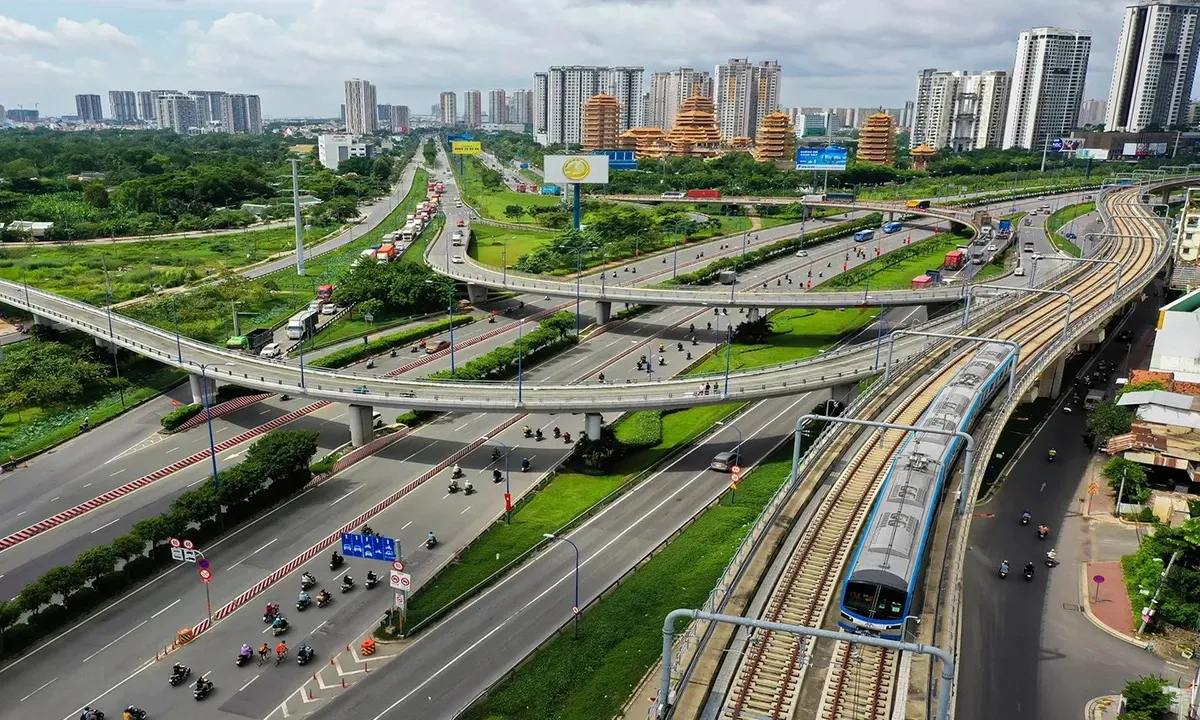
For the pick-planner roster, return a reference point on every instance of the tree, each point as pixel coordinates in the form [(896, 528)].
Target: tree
[(341, 209), (153, 530), (430, 152), (1141, 387), (1119, 470), (1108, 420), (1147, 695), (127, 547), (513, 212), (94, 562), (562, 322), (381, 168), (48, 374), (62, 580), (95, 195), (370, 306), (33, 596)]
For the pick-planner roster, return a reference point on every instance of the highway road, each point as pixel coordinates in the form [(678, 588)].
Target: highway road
[(1027, 651)]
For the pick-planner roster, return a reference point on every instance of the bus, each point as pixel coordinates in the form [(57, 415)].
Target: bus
[(864, 235), (893, 227), (673, 195)]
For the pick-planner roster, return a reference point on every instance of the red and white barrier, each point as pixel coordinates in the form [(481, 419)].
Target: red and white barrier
[(224, 408)]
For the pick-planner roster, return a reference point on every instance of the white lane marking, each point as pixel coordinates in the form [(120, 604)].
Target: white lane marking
[(114, 642), (218, 431), (314, 630), (35, 692), (196, 482), (446, 496), (335, 502), (410, 522), (232, 455), (88, 485), (54, 499), (465, 509), (264, 412), (131, 676), (249, 682), (103, 526), (410, 457), (460, 427), (264, 547), (160, 612), (22, 513), (168, 452), (118, 472)]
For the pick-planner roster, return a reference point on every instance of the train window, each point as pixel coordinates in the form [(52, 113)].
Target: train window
[(875, 602), (860, 598)]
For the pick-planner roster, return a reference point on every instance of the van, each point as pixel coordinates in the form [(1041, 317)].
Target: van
[(1093, 398), (1019, 272), (722, 462), (376, 420), (272, 350)]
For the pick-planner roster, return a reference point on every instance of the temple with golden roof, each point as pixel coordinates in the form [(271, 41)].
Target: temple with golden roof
[(776, 138), (645, 142), (599, 123), (876, 140), (695, 132), (921, 156)]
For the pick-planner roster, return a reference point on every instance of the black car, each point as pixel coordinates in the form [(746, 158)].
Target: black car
[(829, 408)]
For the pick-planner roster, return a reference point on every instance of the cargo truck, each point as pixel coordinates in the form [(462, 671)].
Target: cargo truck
[(955, 259), (704, 194), (1005, 228), (302, 325), (325, 292), (252, 341), (982, 217), (840, 197), (977, 256), (815, 198), (922, 204)]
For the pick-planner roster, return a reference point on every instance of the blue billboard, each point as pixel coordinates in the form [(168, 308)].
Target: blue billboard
[(826, 158), (370, 547), (619, 159), (524, 166), (551, 190), (462, 137)]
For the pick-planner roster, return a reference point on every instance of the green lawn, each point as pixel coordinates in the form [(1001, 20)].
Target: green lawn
[(531, 176), (1060, 220), (492, 245), (490, 202), (799, 333), (621, 637), (78, 271), (896, 270), (957, 184)]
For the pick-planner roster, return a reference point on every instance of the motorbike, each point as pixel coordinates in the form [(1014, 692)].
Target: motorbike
[(276, 632), (304, 655), (269, 617), (1042, 533), (336, 562), (557, 433), (1003, 571), (1051, 560), (452, 487), (137, 713), (457, 473), (347, 586), (370, 364), (495, 454), (469, 489), (1028, 573), (538, 436), (393, 352), (1049, 457), (324, 599), (567, 438), (415, 349), (431, 543), (306, 584), (528, 432), (241, 659), (302, 604), (524, 465), (202, 692), (371, 581), (285, 398), (1025, 519), (177, 678), (497, 476), (367, 530)]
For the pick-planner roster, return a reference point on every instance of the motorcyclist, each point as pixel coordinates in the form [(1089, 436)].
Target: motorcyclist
[(347, 581), (1029, 567), (661, 348), (431, 539), (88, 714), (453, 487), (601, 377), (495, 453), (131, 713), (457, 471), (372, 577), (308, 579), (1052, 557), (557, 431), (202, 684), (526, 431), (524, 463), (1026, 515), (271, 610), (1052, 453), (1043, 529), (323, 596), (177, 669), (1004, 567), (538, 434), (303, 598), (245, 652), (336, 559), (280, 623), (304, 650), (496, 475)]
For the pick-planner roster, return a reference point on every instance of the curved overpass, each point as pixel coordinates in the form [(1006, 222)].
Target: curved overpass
[(474, 273)]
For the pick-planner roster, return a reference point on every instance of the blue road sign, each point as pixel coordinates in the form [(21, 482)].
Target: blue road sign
[(369, 547), (619, 159), (1056, 145), (464, 136), (203, 563)]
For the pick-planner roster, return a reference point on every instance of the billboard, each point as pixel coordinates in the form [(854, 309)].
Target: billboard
[(1091, 154), (619, 159), (464, 136), (1144, 149), (550, 190), (576, 169), (466, 147), (1066, 144), (826, 158)]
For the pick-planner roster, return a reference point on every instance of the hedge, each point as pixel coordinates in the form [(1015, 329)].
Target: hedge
[(767, 253), (274, 469), (180, 415), (551, 336), (354, 353)]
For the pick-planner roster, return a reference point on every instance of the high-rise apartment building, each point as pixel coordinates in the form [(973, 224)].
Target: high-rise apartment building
[(520, 107), (560, 93), (448, 109), (960, 110), (669, 89), (208, 104), (398, 116), (178, 112), (147, 106), (87, 107), (1093, 112), (473, 108), (122, 106), (497, 106), (1155, 65), (745, 94), (241, 114), (1047, 86), (360, 107)]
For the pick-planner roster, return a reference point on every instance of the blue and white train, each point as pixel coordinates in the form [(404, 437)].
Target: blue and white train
[(886, 569)]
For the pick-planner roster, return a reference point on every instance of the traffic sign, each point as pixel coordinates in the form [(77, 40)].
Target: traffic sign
[(369, 547), (401, 601), (188, 544), (401, 581), (733, 486), (175, 542), (574, 609), (205, 575), (736, 469), (1097, 579), (1093, 489), (203, 563), (398, 566), (183, 554)]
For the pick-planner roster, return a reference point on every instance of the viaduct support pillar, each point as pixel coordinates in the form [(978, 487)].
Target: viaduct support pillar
[(201, 387), (593, 422), (1166, 196), (477, 294), (891, 216), (752, 314), (603, 312), (1051, 382), (361, 424), (105, 345), (42, 321)]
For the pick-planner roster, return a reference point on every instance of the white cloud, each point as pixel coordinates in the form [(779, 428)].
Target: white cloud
[(15, 32), (92, 31)]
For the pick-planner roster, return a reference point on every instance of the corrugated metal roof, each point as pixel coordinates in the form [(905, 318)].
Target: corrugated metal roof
[(1164, 398), (1169, 416)]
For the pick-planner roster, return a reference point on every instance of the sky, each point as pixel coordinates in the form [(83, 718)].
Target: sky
[(296, 53)]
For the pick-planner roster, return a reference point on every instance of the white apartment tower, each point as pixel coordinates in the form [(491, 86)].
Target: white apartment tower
[(178, 112), (669, 89), (360, 107), (448, 108), (560, 93), (87, 107), (1155, 65), (241, 114), (472, 108), (497, 106), (520, 107), (960, 110), (122, 105), (744, 94), (1047, 86)]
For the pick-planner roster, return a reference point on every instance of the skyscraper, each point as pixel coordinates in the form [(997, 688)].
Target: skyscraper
[(448, 109), (497, 106), (147, 106), (177, 112), (520, 107), (87, 107), (1093, 112), (208, 105), (961, 110), (560, 93), (122, 105), (1047, 86), (398, 117), (669, 89), (241, 114), (1155, 65), (744, 95), (360, 107), (472, 108)]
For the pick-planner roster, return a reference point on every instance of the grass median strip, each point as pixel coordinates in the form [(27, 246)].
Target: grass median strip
[(1062, 218)]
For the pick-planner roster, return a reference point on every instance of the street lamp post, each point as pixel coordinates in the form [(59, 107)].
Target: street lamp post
[(507, 484), (450, 308), (737, 452), (575, 607), (520, 369), (728, 355), (212, 445), (111, 335)]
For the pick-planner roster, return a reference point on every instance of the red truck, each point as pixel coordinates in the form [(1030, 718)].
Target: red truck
[(704, 194), (441, 188), (325, 292), (955, 259)]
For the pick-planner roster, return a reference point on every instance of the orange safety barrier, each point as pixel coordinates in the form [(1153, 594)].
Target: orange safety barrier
[(368, 647), (184, 636)]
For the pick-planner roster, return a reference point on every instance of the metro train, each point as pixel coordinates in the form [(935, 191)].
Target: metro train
[(888, 563)]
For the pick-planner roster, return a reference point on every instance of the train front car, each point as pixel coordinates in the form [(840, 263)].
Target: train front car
[(887, 567)]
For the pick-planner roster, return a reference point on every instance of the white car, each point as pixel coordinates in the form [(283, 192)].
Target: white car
[(992, 248), (457, 259), (458, 235), (1038, 256), (801, 253), (273, 350), (329, 309)]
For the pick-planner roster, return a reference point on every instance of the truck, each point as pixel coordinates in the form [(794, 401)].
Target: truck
[(252, 341), (921, 204), (704, 194), (325, 292), (386, 253), (893, 227), (981, 218), (935, 275), (955, 259), (302, 325), (839, 197), (441, 188), (727, 277), (1005, 228), (864, 235), (813, 198)]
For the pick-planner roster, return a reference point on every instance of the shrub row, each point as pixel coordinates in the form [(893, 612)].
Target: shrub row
[(767, 253), (275, 468), (354, 353), (551, 336), (180, 415)]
